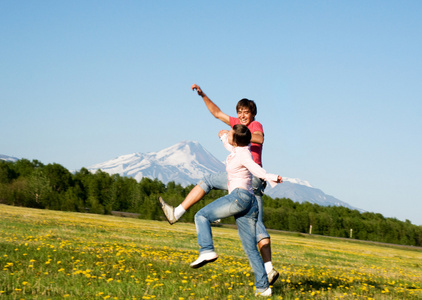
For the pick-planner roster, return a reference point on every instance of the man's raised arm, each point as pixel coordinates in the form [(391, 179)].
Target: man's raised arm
[(212, 107)]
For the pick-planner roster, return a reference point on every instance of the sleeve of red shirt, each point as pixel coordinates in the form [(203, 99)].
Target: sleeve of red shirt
[(256, 126), (233, 121)]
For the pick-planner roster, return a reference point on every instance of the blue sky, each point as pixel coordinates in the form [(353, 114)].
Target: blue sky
[(337, 85)]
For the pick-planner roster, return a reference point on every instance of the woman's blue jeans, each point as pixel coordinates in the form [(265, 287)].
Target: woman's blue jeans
[(243, 206), (220, 181)]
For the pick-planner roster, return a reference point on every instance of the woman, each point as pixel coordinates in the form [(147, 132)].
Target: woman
[(240, 203)]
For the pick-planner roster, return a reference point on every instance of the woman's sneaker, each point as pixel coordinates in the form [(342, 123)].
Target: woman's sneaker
[(203, 259), (266, 293)]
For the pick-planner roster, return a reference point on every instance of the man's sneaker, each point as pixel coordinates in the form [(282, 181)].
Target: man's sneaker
[(203, 259), (266, 293), (272, 276), (168, 211)]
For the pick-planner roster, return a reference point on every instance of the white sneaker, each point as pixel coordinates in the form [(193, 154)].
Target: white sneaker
[(267, 293), (272, 276), (203, 259), (168, 211)]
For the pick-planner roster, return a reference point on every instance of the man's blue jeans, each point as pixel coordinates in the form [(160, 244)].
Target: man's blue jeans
[(243, 206), (220, 181)]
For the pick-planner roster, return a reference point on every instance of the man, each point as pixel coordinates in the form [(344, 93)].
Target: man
[(246, 112)]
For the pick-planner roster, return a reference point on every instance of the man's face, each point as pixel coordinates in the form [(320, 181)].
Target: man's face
[(245, 116)]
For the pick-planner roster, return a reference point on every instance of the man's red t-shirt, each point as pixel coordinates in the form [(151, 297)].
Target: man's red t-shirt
[(256, 149)]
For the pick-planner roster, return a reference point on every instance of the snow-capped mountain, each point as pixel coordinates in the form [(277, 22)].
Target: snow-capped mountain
[(8, 158), (301, 191), (184, 163), (187, 162)]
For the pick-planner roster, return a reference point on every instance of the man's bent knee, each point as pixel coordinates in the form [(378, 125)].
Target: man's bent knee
[(264, 241)]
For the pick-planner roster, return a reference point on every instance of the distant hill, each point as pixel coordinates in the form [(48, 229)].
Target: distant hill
[(184, 163), (187, 162), (8, 158)]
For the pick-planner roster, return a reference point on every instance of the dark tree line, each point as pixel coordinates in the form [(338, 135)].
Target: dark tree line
[(339, 221), (33, 184)]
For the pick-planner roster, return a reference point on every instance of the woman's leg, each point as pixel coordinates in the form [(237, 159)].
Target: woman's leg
[(246, 224), (221, 208)]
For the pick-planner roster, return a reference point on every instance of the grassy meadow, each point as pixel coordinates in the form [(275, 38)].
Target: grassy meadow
[(54, 255)]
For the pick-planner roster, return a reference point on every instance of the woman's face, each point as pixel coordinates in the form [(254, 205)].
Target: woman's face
[(245, 116), (230, 137)]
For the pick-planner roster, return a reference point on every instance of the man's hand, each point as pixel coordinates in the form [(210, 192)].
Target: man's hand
[(198, 89)]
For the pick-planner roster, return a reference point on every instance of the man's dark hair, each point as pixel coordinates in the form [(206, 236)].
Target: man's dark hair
[(242, 135), (247, 104)]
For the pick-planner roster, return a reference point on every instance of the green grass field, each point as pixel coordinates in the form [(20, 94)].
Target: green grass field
[(55, 255)]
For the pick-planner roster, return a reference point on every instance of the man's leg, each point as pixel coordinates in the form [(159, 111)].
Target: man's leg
[(262, 236), (213, 181), (264, 247), (196, 194)]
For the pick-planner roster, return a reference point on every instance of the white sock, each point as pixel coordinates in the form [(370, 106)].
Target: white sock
[(268, 266), (178, 212)]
